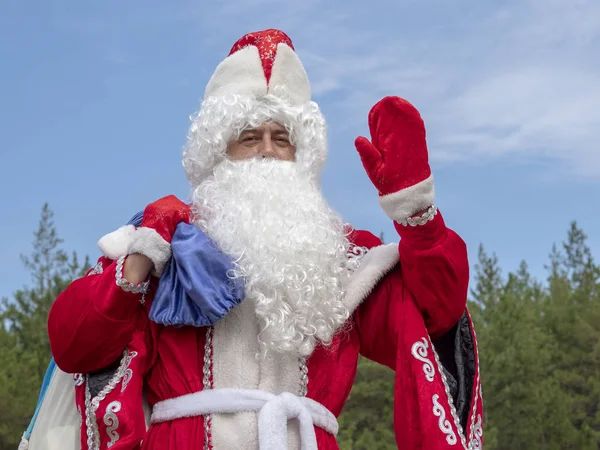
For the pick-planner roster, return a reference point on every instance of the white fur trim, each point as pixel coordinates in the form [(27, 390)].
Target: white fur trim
[(401, 205), (376, 263), (151, 244), (234, 365), (288, 72), (274, 413), (114, 245), (241, 73)]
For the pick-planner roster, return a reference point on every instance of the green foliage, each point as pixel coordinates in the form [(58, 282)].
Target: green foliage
[(526, 405), (367, 422), (539, 345), (572, 317), (24, 347)]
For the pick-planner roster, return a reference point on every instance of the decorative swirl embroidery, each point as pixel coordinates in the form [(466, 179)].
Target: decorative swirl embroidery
[(112, 422), (78, 379), (419, 351), (128, 372), (444, 424), (475, 443), (355, 254), (126, 378), (92, 404)]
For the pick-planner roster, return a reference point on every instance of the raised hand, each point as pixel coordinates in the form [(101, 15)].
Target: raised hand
[(396, 158)]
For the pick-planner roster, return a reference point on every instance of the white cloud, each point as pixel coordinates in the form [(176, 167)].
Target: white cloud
[(530, 111), (517, 80)]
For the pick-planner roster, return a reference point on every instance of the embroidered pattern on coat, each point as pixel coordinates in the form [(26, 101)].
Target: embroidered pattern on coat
[(472, 437), (438, 411), (419, 351), (92, 404), (461, 433), (475, 443), (355, 254), (476, 430), (303, 378), (97, 269), (128, 372), (112, 422), (207, 382), (78, 379)]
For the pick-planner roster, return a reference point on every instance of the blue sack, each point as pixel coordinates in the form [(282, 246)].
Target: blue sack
[(196, 288)]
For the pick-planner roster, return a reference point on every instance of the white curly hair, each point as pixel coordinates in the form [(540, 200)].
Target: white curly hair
[(222, 119)]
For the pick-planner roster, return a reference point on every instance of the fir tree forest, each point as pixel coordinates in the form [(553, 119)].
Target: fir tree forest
[(539, 347)]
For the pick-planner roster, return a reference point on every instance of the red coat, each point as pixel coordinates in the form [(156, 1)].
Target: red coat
[(400, 302)]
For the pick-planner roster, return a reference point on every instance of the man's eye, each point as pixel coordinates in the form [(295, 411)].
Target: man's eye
[(250, 139)]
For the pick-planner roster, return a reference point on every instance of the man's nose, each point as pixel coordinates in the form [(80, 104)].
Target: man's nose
[(267, 148)]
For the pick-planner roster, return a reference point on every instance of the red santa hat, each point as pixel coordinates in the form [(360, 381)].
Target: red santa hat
[(261, 63), (261, 79)]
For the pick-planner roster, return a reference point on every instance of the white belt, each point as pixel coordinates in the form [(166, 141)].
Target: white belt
[(274, 413)]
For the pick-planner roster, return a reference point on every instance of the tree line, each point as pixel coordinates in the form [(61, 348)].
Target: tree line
[(539, 348)]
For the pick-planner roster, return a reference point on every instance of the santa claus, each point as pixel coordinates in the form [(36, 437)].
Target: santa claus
[(236, 321)]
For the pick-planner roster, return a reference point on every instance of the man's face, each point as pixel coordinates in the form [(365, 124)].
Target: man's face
[(270, 140)]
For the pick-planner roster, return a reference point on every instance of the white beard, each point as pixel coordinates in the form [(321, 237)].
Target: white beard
[(289, 246)]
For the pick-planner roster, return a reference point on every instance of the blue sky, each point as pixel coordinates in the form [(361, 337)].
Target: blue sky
[(95, 99)]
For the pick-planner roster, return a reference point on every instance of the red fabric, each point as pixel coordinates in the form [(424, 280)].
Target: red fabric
[(78, 344), (396, 157), (165, 214), (93, 321), (436, 268), (266, 42), (125, 400), (90, 325), (421, 299)]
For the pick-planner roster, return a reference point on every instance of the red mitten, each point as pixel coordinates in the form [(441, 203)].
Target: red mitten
[(153, 237), (396, 160)]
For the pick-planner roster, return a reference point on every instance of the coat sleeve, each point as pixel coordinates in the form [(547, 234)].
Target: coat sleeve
[(433, 272), (423, 299), (92, 321)]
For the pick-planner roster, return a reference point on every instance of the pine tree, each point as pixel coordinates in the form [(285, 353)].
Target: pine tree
[(572, 318), (524, 404), (485, 296), (25, 350), (367, 422)]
